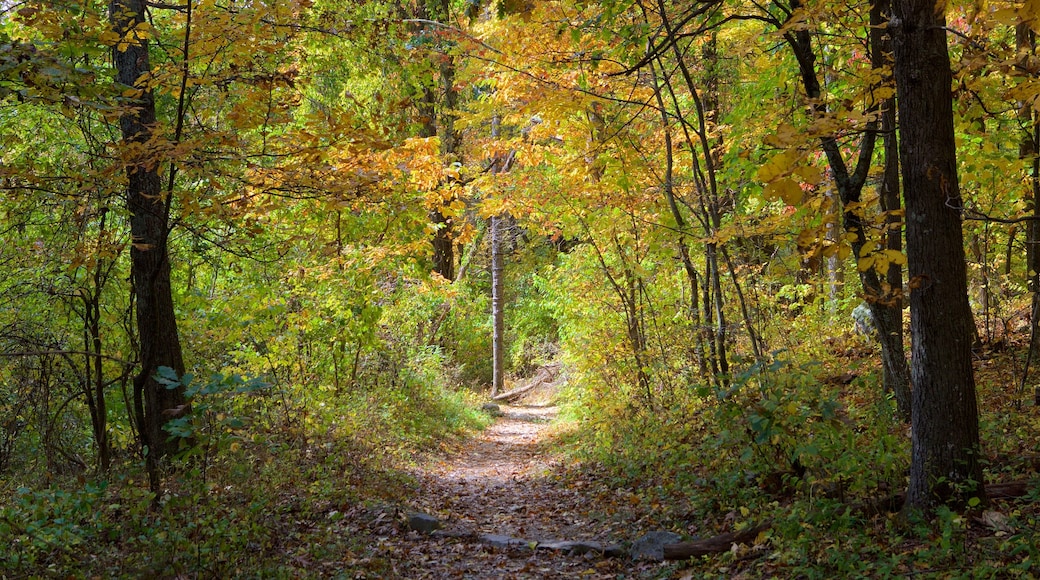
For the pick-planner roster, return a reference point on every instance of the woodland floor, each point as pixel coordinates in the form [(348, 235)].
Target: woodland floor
[(507, 482)]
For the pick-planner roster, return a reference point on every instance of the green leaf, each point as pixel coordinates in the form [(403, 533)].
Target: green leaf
[(168, 377)]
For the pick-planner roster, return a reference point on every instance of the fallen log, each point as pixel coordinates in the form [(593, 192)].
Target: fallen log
[(1011, 489), (515, 393), (894, 502), (546, 374), (715, 545)]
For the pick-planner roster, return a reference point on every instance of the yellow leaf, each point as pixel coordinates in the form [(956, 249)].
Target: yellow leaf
[(785, 136), (777, 166), (786, 189), (810, 174), (882, 93), (1005, 16), (865, 263), (761, 537), (109, 37), (896, 257), (143, 31)]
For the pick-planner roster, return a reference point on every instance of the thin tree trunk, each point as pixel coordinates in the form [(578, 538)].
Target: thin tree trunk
[(833, 265), (93, 310), (497, 313), (888, 312), (706, 325), (720, 312), (884, 307), (708, 198), (149, 210), (680, 221), (757, 347)]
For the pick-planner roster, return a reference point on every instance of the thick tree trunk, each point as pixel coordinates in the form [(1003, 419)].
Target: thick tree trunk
[(150, 266), (1025, 43), (500, 164), (945, 465), (443, 246)]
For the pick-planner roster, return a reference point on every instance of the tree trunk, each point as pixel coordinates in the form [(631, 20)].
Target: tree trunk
[(945, 465), (832, 264), (888, 312), (498, 339), (680, 223), (443, 245), (438, 114), (1025, 42), (497, 314), (885, 307), (150, 266), (715, 545)]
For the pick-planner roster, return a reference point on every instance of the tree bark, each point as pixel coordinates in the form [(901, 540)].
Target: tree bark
[(888, 312), (500, 164), (497, 313), (1025, 43), (438, 119), (680, 222), (885, 307), (714, 545), (149, 212), (945, 465)]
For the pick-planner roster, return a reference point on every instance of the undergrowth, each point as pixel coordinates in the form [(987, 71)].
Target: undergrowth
[(816, 455), (263, 494)]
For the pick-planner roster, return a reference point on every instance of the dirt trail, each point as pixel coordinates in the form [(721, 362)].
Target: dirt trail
[(503, 483), (499, 484)]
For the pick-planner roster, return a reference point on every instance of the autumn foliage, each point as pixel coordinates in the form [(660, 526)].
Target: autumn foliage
[(248, 247)]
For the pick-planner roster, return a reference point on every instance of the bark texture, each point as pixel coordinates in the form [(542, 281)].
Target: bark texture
[(500, 164), (437, 112), (888, 312), (883, 297), (497, 309), (150, 265), (945, 464)]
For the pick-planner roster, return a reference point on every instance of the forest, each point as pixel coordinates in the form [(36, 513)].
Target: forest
[(519, 289)]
